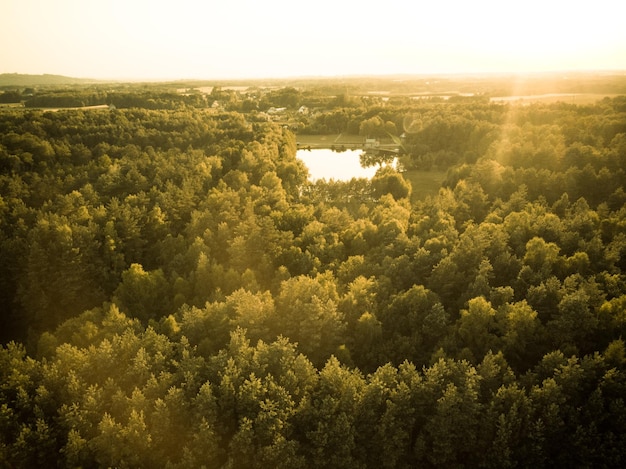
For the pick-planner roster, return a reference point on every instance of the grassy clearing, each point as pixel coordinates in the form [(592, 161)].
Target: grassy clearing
[(330, 140), (336, 140), (424, 183), (316, 140), (347, 139)]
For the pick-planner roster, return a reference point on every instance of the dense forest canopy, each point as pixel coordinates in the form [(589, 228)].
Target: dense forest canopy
[(176, 293)]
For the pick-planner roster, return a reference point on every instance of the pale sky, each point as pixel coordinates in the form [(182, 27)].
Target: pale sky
[(167, 39)]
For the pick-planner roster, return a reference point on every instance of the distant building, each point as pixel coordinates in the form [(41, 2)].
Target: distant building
[(276, 110), (371, 143)]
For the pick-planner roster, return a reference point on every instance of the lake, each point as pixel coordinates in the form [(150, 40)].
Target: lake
[(340, 166)]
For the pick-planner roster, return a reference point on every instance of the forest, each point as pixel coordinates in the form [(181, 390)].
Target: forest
[(176, 293)]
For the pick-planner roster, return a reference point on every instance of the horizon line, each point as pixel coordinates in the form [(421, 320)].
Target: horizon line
[(327, 76)]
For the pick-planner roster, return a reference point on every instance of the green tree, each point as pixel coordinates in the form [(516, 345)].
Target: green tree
[(523, 334), (478, 328), (306, 313), (145, 295), (413, 323), (327, 420), (389, 181), (62, 276), (372, 128), (449, 434)]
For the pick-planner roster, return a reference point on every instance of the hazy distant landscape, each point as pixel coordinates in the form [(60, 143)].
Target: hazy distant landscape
[(276, 235)]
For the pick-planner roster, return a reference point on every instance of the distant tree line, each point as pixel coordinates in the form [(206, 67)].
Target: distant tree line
[(8, 97)]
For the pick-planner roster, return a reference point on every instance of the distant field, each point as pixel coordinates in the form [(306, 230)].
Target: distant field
[(572, 98)]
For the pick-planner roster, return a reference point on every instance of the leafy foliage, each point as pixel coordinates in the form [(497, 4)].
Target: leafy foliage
[(177, 294)]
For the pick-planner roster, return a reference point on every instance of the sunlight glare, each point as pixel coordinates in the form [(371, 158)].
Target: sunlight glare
[(189, 38)]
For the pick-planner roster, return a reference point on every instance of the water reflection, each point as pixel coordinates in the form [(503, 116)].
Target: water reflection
[(340, 166)]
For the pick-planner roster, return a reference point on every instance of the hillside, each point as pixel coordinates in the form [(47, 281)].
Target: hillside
[(20, 79)]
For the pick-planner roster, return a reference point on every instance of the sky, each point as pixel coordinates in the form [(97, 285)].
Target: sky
[(208, 39)]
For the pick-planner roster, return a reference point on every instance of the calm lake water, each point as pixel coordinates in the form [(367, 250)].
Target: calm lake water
[(340, 166)]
